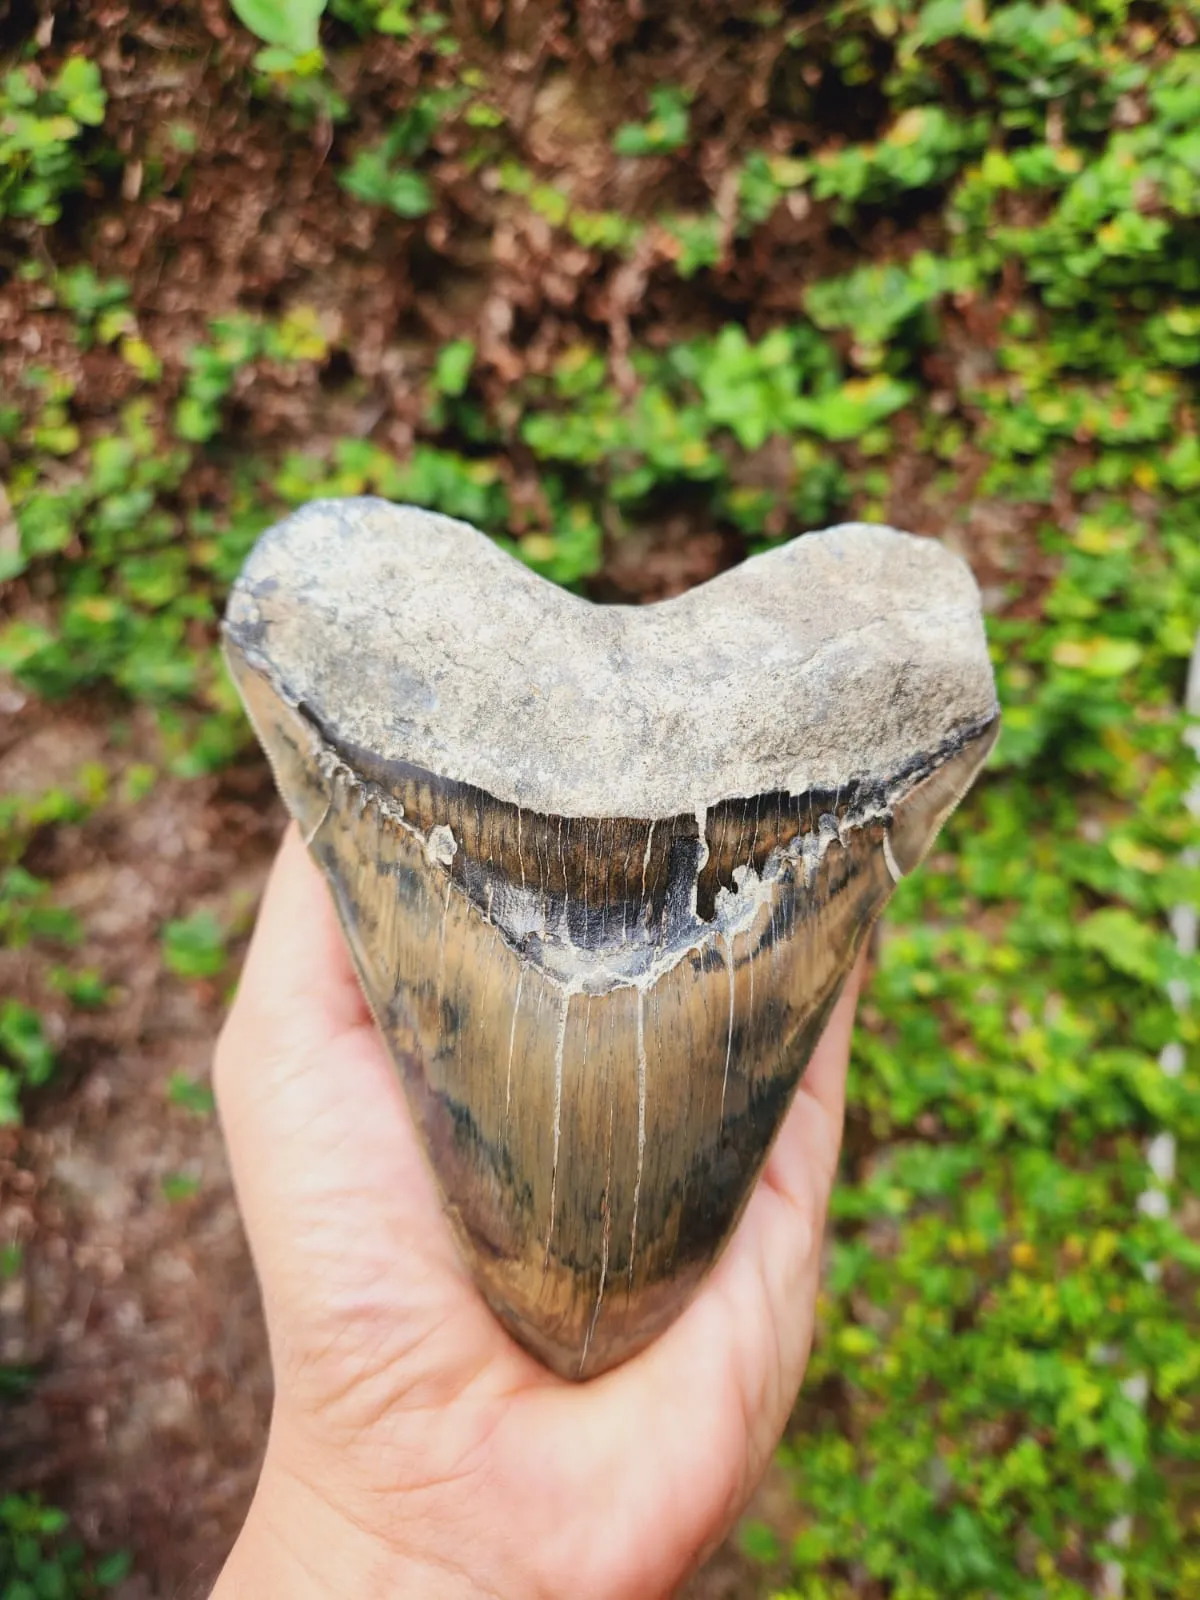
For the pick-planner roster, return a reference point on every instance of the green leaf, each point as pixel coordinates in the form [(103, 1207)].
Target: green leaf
[(179, 1186), (23, 1040), (848, 412), (1131, 946), (453, 368), (113, 1569), (194, 947), (195, 421), (667, 129), (409, 194), (79, 84), (274, 60), (190, 1095), (760, 1542), (1100, 657), (290, 25), (373, 179)]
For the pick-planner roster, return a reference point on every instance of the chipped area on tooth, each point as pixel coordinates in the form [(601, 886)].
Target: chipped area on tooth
[(702, 833), (812, 848), (311, 833), (640, 963), (889, 857), (440, 845)]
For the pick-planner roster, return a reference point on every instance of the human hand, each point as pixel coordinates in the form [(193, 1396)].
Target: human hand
[(414, 1448)]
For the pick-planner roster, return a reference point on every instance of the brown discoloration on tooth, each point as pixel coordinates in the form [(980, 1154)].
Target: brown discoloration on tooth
[(600, 1019)]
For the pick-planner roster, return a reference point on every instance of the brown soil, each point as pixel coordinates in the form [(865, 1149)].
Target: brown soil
[(137, 1313)]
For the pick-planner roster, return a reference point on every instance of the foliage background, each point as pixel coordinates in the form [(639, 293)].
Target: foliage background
[(638, 289)]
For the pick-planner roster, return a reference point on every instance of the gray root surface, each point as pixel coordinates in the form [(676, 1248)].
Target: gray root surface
[(830, 659)]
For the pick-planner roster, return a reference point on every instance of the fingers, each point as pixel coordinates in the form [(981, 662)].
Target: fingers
[(297, 999), (339, 1205), (297, 984), (825, 1079), (297, 996)]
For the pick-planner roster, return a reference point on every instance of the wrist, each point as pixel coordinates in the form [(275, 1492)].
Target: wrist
[(294, 1543)]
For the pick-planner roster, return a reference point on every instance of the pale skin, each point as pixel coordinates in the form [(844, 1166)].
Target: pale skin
[(414, 1448)]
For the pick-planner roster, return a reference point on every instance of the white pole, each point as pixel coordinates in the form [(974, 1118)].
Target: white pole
[(1155, 1200)]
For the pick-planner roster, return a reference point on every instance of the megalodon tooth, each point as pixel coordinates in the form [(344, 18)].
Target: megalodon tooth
[(603, 870)]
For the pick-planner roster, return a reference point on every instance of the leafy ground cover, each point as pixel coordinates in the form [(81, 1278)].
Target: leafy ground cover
[(637, 290)]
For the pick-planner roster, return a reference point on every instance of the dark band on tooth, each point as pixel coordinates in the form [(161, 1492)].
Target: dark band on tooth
[(597, 867)]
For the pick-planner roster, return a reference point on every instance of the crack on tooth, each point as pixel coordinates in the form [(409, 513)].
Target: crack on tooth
[(729, 1035), (605, 1236), (512, 1040), (441, 846), (441, 978), (558, 1084), (641, 1139), (646, 857)]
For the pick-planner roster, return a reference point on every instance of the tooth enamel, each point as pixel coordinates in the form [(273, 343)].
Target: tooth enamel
[(603, 871)]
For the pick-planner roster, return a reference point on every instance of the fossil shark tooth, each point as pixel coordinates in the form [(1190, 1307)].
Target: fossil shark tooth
[(604, 870)]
